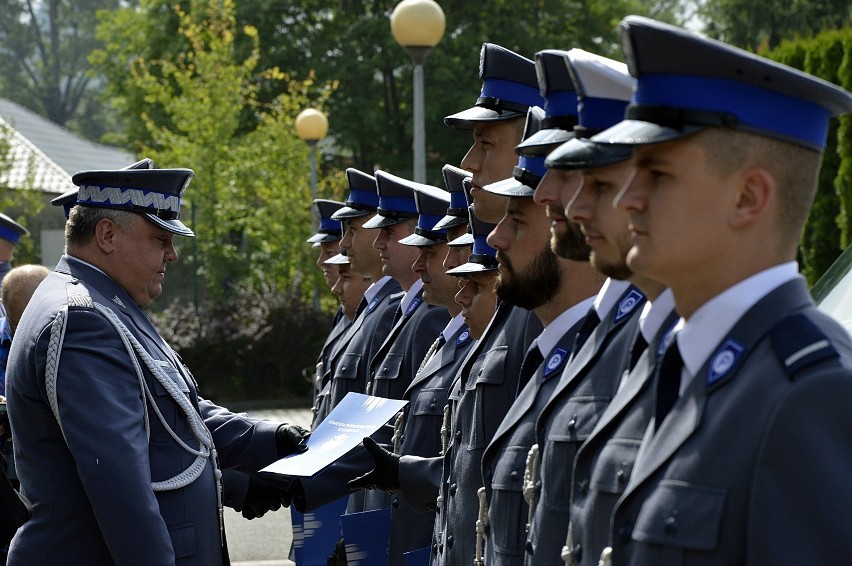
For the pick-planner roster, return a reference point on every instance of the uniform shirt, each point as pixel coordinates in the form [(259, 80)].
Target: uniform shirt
[(551, 334), (374, 289), (610, 292), (410, 295)]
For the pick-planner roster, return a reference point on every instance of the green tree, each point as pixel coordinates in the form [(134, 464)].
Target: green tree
[(249, 201), (43, 66), (828, 230)]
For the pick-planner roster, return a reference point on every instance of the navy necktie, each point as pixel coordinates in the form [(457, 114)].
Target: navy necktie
[(532, 361), (361, 306), (668, 383), (639, 346), (397, 315), (591, 322)]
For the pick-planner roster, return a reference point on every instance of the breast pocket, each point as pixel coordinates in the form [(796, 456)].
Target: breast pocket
[(387, 377), (347, 378), (570, 426), (168, 407), (682, 515), (614, 465), (509, 516), (428, 414)]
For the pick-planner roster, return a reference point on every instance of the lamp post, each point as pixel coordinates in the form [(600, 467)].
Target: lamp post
[(311, 127), (418, 25)]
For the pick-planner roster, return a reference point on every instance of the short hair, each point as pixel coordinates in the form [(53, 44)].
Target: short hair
[(80, 227), (795, 169), (18, 288)]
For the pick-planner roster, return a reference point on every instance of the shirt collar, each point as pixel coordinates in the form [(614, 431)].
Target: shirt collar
[(452, 327), (554, 331), (609, 294), (654, 314), (374, 289), (705, 329), (409, 296)]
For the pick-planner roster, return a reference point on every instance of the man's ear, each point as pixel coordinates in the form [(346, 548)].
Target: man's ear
[(757, 194), (105, 233)]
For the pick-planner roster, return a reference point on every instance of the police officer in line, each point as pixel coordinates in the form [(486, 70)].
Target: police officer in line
[(600, 355), (745, 459), (74, 429), (419, 431), (603, 83), (349, 360), (349, 288), (326, 239), (560, 292)]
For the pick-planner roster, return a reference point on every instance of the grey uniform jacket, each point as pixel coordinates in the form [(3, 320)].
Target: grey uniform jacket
[(479, 399), (605, 461), (90, 482), (349, 361), (338, 329), (504, 460), (751, 466), (585, 388), (427, 394)]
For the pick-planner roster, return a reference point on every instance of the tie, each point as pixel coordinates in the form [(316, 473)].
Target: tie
[(397, 315), (639, 346), (589, 324), (668, 382), (436, 345), (361, 306), (532, 361)]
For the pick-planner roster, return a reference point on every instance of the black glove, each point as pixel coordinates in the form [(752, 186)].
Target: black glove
[(384, 476), (263, 496), (290, 439)]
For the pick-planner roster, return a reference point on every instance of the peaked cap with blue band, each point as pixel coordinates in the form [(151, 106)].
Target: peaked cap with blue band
[(509, 87), (10, 230), (482, 257), (153, 193), (456, 213), (529, 170), (560, 104), (68, 200), (465, 239), (396, 201), (362, 200), (604, 88), (687, 83), (330, 230), (432, 203)]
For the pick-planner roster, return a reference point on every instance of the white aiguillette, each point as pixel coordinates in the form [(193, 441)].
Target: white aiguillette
[(342, 430)]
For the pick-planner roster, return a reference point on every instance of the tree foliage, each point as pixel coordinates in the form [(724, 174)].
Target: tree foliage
[(248, 203), (43, 50), (829, 226)]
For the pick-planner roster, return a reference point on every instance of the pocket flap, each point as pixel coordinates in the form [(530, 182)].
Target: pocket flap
[(682, 515), (183, 540), (492, 370), (430, 402), (348, 366), (509, 471), (390, 366), (615, 465), (172, 374)]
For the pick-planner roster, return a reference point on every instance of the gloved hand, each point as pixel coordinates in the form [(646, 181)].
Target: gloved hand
[(384, 476), (263, 496), (291, 438)]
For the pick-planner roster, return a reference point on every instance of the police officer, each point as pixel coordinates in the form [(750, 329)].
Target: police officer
[(591, 378), (560, 292), (744, 460)]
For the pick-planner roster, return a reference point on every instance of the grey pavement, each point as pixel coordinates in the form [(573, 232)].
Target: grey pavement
[(265, 541)]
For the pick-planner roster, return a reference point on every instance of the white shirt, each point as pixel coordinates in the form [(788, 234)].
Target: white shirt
[(654, 314), (452, 327), (609, 294), (557, 328), (699, 336), (374, 289), (408, 298)]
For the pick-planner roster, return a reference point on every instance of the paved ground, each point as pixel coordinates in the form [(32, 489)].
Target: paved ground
[(264, 541)]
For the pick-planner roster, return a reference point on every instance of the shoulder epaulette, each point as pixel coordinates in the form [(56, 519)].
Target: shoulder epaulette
[(800, 343)]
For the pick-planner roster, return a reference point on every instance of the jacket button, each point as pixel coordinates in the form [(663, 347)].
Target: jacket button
[(577, 553), (621, 476), (395, 502), (453, 488), (432, 406), (385, 368), (572, 424), (434, 548), (583, 486), (670, 525), (450, 541), (342, 369), (514, 475), (529, 547), (458, 436)]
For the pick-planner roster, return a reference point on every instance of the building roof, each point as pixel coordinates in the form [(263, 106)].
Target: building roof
[(45, 155)]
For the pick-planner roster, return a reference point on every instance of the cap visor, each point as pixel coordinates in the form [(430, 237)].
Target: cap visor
[(465, 240), (467, 119), (585, 154), (173, 226), (338, 259), (348, 212), (379, 221), (471, 267), (317, 238), (510, 187), (542, 142), (418, 241), (638, 132), (450, 221)]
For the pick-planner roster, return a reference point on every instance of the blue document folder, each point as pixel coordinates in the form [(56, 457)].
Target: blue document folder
[(366, 535)]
